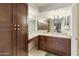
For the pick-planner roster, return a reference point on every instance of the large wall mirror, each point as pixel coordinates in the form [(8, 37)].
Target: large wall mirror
[(59, 24), (43, 25)]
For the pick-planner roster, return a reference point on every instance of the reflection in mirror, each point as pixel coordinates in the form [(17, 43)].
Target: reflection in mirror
[(43, 25), (61, 23), (57, 24), (68, 22)]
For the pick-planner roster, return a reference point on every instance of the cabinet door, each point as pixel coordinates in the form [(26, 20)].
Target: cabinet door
[(22, 33), (51, 45), (68, 47), (60, 46), (6, 31), (36, 42), (64, 46), (42, 43), (14, 28)]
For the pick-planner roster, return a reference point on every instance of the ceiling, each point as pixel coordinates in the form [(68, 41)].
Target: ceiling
[(41, 4), (48, 6)]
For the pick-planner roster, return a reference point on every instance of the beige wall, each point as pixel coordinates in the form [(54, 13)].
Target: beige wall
[(78, 28)]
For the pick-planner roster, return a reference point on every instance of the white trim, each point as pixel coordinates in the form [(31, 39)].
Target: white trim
[(74, 30)]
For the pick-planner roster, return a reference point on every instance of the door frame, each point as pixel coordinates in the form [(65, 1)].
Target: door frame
[(74, 30)]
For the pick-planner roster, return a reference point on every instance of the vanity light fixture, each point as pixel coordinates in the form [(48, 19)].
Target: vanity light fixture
[(60, 16), (30, 16), (52, 17)]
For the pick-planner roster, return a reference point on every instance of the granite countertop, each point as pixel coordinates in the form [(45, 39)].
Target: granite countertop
[(32, 35)]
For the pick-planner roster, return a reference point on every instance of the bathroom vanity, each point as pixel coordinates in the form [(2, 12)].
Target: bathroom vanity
[(51, 35), (52, 32), (57, 44)]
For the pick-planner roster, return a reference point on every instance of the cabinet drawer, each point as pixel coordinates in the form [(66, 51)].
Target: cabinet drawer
[(42, 43), (57, 45), (57, 39), (41, 37), (56, 52)]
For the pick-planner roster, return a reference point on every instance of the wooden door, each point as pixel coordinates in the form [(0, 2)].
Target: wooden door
[(6, 30), (51, 45), (42, 43), (60, 46), (14, 15), (22, 38)]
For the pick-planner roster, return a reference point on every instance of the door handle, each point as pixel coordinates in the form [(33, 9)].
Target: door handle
[(18, 25), (14, 28), (18, 29), (15, 25)]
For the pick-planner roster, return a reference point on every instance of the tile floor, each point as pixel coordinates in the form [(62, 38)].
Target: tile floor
[(35, 52)]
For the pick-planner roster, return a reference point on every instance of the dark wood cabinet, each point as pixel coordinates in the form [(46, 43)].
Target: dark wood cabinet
[(6, 29), (56, 45), (13, 29), (60, 46), (42, 42), (22, 30)]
